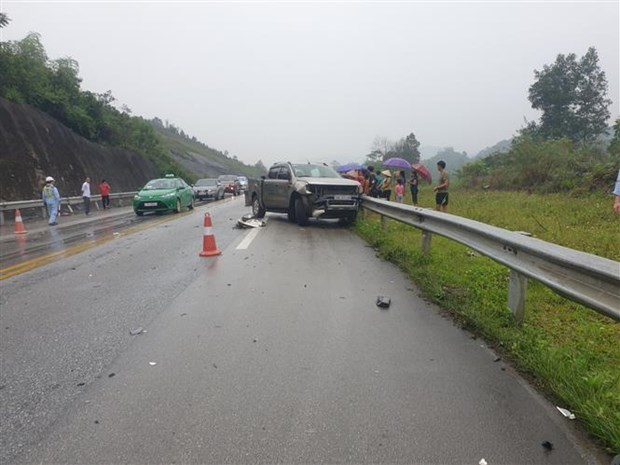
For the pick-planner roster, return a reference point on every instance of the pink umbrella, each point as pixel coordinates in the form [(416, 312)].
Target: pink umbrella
[(423, 171)]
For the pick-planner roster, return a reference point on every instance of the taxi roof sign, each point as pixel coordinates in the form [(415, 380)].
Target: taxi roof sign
[(170, 175)]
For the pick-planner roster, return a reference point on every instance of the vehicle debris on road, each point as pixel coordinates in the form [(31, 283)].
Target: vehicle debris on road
[(567, 413), (136, 331), (250, 221), (383, 301)]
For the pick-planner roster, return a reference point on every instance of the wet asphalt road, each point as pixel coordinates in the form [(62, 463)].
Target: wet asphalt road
[(272, 352)]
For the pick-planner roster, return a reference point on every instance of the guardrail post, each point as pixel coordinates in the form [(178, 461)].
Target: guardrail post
[(384, 223), (516, 295), (426, 242), (1, 218)]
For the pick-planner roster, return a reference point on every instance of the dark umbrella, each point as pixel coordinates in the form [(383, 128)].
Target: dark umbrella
[(348, 167), (397, 163), (423, 171)]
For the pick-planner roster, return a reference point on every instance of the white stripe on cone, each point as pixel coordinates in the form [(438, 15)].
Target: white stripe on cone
[(208, 231)]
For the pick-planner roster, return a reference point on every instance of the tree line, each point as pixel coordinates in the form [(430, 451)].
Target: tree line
[(571, 147), (53, 86)]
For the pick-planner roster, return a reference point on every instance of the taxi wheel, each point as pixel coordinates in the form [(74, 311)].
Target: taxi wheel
[(178, 207), (191, 204)]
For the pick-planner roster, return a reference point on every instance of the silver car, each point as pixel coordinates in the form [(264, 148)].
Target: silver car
[(208, 189)]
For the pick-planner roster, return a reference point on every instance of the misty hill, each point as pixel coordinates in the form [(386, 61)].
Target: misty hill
[(197, 157), (501, 147), (428, 151), (454, 160)]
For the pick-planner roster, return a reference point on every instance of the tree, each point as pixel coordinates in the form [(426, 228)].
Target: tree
[(381, 146), (572, 95), (260, 166), (614, 144), (4, 20), (407, 148)]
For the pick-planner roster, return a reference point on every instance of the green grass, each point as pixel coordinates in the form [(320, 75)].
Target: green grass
[(571, 352)]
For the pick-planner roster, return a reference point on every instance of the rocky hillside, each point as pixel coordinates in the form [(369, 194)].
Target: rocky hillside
[(34, 145)]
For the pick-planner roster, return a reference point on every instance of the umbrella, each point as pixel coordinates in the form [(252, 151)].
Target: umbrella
[(397, 163), (348, 167), (423, 171)]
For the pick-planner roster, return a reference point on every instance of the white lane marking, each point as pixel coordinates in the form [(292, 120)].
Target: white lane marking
[(247, 240)]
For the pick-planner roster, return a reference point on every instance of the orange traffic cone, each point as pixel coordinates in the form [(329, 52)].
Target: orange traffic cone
[(19, 224), (209, 249)]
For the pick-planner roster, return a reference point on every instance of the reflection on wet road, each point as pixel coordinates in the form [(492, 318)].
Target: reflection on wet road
[(20, 253)]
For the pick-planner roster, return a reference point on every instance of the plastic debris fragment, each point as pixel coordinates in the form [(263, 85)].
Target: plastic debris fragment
[(250, 223), (567, 413), (482, 462), (152, 363), (383, 301), (138, 330)]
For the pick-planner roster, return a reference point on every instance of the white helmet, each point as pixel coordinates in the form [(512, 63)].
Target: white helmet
[(49, 179)]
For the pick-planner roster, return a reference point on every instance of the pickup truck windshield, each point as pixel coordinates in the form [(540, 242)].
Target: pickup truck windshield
[(314, 171)]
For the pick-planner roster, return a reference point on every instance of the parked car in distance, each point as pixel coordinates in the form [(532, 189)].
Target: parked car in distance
[(231, 183), (243, 183), (210, 188), (163, 194)]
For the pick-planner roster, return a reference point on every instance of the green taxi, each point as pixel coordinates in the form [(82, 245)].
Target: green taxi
[(163, 194)]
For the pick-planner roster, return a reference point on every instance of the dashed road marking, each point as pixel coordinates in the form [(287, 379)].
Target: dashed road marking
[(247, 240)]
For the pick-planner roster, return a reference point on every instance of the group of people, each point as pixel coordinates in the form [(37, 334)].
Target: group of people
[(379, 184), (51, 197)]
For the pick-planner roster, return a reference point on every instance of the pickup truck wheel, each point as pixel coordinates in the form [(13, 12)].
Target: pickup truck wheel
[(257, 210), (301, 213)]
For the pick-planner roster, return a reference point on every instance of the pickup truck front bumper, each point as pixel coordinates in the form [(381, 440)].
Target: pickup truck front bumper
[(335, 206)]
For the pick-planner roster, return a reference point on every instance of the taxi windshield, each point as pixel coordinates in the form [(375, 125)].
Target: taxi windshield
[(161, 184)]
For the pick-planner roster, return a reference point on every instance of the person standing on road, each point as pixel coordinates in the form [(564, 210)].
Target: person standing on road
[(441, 189), (86, 195), (51, 199), (104, 189)]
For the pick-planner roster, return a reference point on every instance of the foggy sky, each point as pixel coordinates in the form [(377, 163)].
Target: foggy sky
[(320, 81)]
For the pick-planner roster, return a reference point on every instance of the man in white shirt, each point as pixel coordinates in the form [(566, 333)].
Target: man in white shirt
[(86, 195)]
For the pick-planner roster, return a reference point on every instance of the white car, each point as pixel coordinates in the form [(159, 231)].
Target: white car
[(243, 183)]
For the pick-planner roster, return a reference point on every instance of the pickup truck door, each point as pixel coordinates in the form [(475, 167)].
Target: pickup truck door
[(275, 188)]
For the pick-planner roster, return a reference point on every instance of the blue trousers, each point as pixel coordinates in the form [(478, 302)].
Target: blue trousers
[(52, 211)]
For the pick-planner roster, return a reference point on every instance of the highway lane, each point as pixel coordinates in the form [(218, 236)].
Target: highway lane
[(274, 352), (101, 225), (63, 323)]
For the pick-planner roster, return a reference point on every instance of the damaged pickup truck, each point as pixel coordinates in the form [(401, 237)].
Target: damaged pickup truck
[(303, 191)]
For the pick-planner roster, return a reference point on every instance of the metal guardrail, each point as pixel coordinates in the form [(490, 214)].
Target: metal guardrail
[(582, 277), (64, 201)]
